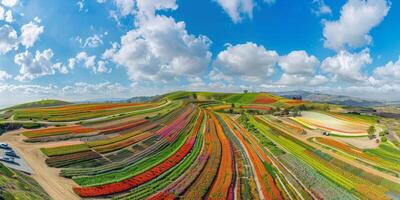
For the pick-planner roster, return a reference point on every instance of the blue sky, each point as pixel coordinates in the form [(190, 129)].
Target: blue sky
[(86, 49)]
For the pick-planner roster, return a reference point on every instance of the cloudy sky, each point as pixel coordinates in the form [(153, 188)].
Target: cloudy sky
[(86, 49)]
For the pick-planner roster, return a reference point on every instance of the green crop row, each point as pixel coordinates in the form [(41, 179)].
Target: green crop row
[(137, 168), (149, 188), (64, 150)]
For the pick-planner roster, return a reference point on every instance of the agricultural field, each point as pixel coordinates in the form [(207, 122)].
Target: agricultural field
[(332, 123), (199, 145)]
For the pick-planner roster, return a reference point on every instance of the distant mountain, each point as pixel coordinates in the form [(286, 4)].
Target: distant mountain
[(101, 100), (142, 98), (328, 98)]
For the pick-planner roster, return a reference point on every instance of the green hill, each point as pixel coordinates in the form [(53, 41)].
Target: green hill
[(243, 98), (39, 104), (17, 185)]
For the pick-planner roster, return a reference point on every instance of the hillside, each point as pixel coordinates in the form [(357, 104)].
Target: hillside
[(41, 103), (329, 98), (169, 148), (261, 98), (16, 185)]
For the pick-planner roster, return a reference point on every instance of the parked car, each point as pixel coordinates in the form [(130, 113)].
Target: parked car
[(4, 146), (9, 160), (12, 154)]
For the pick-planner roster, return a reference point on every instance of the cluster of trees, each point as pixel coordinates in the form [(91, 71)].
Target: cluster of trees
[(371, 133)]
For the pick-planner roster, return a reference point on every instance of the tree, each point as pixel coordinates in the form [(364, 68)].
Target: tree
[(194, 95), (383, 138), (371, 132), (232, 105)]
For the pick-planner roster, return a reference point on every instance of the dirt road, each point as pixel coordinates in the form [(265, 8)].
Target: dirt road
[(57, 187)]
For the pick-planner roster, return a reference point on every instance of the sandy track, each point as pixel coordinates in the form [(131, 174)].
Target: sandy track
[(57, 187)]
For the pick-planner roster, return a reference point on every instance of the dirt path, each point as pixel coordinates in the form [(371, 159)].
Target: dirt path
[(57, 187)]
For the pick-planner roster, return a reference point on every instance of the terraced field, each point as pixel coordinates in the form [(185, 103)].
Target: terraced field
[(185, 145), (333, 124)]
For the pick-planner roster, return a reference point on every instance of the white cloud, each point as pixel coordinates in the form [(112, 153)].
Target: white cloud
[(81, 5), (82, 88), (125, 7), (388, 73), (299, 62), (216, 75), (4, 75), (357, 18), (8, 39), (9, 3), (318, 80), (250, 61), (161, 49), (109, 53), (148, 8), (93, 41), (6, 15), (32, 67), (101, 67), (89, 62), (30, 33), (237, 9), (71, 63), (322, 8), (300, 80), (347, 66)]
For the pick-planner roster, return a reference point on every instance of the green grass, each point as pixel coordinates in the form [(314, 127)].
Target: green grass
[(386, 152), (64, 150), (242, 98), (364, 118), (15, 185), (42, 103)]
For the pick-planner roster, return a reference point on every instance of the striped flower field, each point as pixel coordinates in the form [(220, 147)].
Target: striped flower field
[(183, 148)]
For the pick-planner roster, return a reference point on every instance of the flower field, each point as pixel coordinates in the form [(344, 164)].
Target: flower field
[(185, 146), (317, 120)]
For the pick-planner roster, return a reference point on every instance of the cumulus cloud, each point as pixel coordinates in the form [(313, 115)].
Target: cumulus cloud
[(125, 7), (216, 75), (249, 61), (4, 75), (389, 72), (239, 9), (7, 16), (357, 18), (301, 80), (347, 66), (160, 48), (8, 39), (89, 62), (30, 33), (9, 3), (33, 66), (298, 62)]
